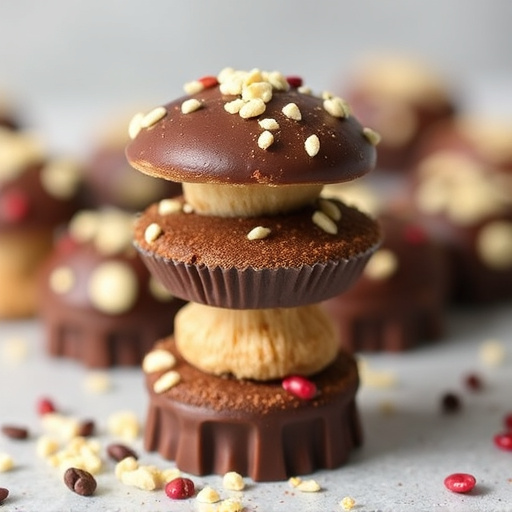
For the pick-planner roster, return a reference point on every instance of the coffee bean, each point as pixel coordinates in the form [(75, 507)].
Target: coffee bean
[(80, 481), (86, 428), (14, 431), (119, 452), (3, 494)]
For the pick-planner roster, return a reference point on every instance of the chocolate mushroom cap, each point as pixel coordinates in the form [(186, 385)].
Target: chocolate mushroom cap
[(211, 145)]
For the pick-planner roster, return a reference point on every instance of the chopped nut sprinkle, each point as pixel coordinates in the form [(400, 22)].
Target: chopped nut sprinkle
[(308, 486), (62, 280), (233, 481), (304, 89), (252, 108), (265, 140), (261, 90), (208, 495), (188, 208), (312, 145), (336, 107), (153, 117), (135, 125), (190, 105), (325, 223), (372, 136), (294, 481), (382, 265), (168, 206), (269, 124), (258, 233), (167, 381), (230, 505), (152, 232), (233, 107), (330, 209), (193, 87), (347, 503), (291, 111), (158, 360)]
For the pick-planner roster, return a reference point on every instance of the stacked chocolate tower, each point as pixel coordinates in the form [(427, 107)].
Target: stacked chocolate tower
[(253, 380)]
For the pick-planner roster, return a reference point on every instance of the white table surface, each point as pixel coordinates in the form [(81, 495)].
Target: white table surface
[(407, 453)]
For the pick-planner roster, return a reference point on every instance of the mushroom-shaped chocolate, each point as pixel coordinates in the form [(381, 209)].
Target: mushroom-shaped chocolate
[(38, 193), (98, 302), (254, 248)]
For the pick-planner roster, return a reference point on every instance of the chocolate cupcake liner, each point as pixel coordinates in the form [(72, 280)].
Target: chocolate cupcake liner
[(251, 288)]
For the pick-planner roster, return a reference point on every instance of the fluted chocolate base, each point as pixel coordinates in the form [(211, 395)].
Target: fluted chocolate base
[(209, 424)]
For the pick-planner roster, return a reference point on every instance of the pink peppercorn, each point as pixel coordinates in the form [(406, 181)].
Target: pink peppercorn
[(508, 421), (45, 406), (208, 81), (460, 482), (180, 488), (504, 441), (294, 81), (300, 387)]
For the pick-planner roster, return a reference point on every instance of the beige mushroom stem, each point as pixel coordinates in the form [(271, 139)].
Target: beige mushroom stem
[(248, 200), (261, 344)]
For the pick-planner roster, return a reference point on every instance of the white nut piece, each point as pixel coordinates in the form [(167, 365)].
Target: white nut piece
[(60, 178), (61, 280), (124, 465), (308, 486), (135, 125), (142, 478), (167, 381), (312, 145), (382, 265), (152, 117), (230, 505), (252, 108), (233, 481), (258, 233), (269, 124), (6, 462), (233, 107), (292, 111), (190, 105), (265, 140), (208, 495), (336, 107), (372, 136), (168, 206), (330, 209), (158, 360), (324, 222), (124, 424), (113, 288), (152, 232)]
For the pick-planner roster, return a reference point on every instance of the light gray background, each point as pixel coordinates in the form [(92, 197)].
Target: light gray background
[(118, 52)]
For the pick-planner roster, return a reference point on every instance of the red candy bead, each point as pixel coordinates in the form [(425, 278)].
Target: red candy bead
[(180, 488), (508, 421), (45, 406), (208, 81), (415, 235), (504, 441), (294, 81), (300, 387), (14, 206), (460, 482)]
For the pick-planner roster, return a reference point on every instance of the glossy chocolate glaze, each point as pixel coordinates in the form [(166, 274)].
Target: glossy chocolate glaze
[(211, 145), (209, 424)]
